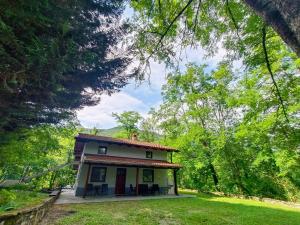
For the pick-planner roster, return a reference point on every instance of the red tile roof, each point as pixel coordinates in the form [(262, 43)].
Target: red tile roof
[(111, 140), (124, 161)]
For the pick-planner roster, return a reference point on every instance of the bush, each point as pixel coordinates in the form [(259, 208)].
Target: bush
[(6, 196)]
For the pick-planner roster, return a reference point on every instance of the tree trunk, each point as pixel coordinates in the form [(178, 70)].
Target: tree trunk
[(52, 179), (283, 16), (214, 176)]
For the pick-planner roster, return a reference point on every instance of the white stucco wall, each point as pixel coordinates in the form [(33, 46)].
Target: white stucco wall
[(160, 176), (124, 151)]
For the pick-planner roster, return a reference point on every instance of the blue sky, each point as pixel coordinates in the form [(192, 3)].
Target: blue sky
[(139, 97)]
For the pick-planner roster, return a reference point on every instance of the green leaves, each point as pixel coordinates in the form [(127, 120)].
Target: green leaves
[(129, 121), (230, 131), (52, 53)]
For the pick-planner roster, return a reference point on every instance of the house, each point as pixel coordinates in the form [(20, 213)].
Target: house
[(113, 166)]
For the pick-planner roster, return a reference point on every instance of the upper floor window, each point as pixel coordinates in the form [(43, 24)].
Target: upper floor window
[(148, 154), (102, 150)]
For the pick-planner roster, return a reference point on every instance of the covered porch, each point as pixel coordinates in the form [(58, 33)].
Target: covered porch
[(104, 176)]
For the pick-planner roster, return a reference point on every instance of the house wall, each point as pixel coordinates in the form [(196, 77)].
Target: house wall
[(160, 178), (124, 151)]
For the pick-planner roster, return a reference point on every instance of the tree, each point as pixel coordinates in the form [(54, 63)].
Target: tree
[(41, 156), (149, 130), (129, 121), (230, 131), (57, 57), (163, 25), (282, 15)]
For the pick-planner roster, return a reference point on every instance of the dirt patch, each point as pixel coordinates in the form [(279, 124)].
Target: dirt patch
[(55, 213)]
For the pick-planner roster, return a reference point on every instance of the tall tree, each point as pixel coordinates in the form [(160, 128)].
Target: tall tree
[(230, 24), (231, 132), (129, 121), (283, 16), (149, 130), (57, 56)]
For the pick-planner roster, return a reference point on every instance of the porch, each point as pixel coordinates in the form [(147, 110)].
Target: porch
[(67, 196), (119, 176)]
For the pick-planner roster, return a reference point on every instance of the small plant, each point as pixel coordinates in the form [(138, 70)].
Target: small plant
[(6, 196)]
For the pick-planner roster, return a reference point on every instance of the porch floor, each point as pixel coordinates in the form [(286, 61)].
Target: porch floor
[(68, 197)]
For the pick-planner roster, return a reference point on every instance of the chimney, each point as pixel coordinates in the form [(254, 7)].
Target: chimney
[(134, 137)]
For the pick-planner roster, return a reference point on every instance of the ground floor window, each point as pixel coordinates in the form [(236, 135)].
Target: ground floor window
[(98, 174), (148, 175)]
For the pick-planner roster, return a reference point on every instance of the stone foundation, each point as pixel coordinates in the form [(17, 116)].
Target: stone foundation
[(28, 216)]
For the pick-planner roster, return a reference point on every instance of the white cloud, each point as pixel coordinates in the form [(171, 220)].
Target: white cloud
[(141, 97), (101, 114)]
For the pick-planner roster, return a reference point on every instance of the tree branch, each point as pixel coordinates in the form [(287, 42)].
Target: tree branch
[(271, 73), (171, 24), (196, 17), (233, 19)]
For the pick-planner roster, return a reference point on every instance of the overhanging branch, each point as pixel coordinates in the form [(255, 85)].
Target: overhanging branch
[(271, 73)]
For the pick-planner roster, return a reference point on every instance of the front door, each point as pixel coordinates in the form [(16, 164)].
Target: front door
[(120, 181)]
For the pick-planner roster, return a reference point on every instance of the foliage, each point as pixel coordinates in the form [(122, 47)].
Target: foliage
[(165, 28), (149, 128), (6, 196), (32, 155), (128, 120), (231, 132), (11, 199), (203, 209), (56, 56)]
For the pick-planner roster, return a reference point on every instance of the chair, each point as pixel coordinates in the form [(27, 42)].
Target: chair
[(90, 188), (155, 188), (143, 189), (132, 190), (104, 190), (97, 189)]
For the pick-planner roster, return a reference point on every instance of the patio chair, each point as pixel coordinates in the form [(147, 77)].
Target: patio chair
[(104, 190), (97, 189), (143, 189), (90, 189), (155, 189), (132, 190)]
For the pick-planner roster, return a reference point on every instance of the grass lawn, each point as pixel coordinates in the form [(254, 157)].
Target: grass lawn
[(22, 199), (205, 209)]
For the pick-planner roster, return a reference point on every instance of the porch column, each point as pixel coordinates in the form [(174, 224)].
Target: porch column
[(175, 181), (137, 181), (87, 180)]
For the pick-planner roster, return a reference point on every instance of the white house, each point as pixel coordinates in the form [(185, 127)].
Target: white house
[(112, 166)]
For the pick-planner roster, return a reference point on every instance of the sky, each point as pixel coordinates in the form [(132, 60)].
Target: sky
[(139, 97)]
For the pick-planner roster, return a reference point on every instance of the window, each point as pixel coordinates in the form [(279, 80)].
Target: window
[(98, 174), (102, 150), (148, 154), (148, 175)]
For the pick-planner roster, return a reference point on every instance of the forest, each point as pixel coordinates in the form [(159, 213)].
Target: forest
[(237, 125)]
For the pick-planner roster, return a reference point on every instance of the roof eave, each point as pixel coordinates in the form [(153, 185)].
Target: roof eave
[(128, 144)]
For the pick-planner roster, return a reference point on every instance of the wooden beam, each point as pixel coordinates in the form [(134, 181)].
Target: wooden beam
[(175, 181), (137, 182), (87, 180)]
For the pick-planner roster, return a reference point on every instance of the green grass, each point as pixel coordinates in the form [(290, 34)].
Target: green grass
[(22, 199), (204, 209)]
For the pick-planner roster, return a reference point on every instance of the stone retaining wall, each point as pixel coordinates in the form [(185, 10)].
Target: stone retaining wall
[(28, 216)]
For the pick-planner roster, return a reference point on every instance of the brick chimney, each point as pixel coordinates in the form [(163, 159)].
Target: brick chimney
[(134, 137)]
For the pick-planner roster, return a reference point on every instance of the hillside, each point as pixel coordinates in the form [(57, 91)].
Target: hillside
[(110, 132)]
